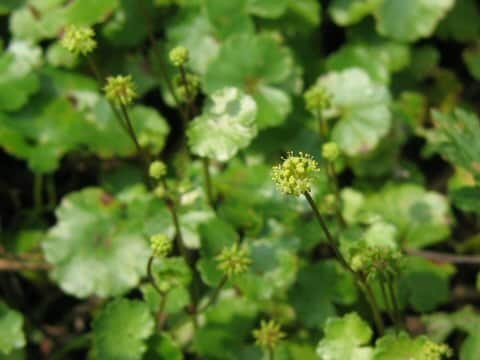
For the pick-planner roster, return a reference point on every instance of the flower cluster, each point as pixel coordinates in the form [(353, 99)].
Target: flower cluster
[(120, 89), (234, 260), (161, 245), (378, 262), (157, 169), (294, 176), (79, 40), (434, 351), (188, 91), (179, 56), (268, 335), (330, 151), (317, 98)]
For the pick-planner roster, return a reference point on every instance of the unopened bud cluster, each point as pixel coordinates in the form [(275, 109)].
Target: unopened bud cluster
[(434, 351), (268, 335), (330, 151), (294, 176), (157, 169), (179, 56), (188, 91), (379, 262), (79, 40), (161, 245), (234, 260), (317, 98), (120, 89)]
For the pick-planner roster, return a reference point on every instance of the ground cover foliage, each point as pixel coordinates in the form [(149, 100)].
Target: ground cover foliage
[(242, 179)]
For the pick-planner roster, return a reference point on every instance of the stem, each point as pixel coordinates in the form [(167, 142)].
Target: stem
[(333, 179), (360, 280), (322, 125), (130, 129), (37, 192), (396, 308), (214, 297), (390, 312), (151, 277), (208, 181), (51, 192), (445, 258), (271, 354), (18, 265), (189, 107), (77, 342)]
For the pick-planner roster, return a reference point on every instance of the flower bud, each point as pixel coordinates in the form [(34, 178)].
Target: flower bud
[(294, 176), (157, 169), (190, 89), (317, 98), (330, 151), (79, 40), (179, 56), (161, 245), (120, 89)]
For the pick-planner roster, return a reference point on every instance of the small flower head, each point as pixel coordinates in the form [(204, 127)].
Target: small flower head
[(268, 335), (157, 169), (120, 89), (159, 191), (179, 56), (79, 40), (379, 262), (295, 174), (317, 98), (161, 245), (191, 89), (434, 351), (234, 260), (330, 151)]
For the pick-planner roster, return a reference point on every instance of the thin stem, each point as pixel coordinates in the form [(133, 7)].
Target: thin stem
[(18, 265), (183, 74), (360, 280), (38, 192), (444, 257), (130, 129), (161, 312), (387, 301), (271, 354), (151, 278), (208, 181), (332, 174), (214, 296), (322, 125), (396, 308)]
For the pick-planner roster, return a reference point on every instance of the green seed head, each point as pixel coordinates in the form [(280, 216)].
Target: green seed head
[(179, 56), (191, 89), (234, 260), (295, 174), (380, 262), (79, 40), (120, 89), (317, 98), (330, 151), (157, 169), (268, 335), (161, 245)]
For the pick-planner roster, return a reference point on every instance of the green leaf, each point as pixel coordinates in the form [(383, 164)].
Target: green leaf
[(467, 198), (267, 8), (349, 12), (314, 307), (470, 347), (425, 285), (11, 332), (471, 58), (258, 65), (229, 17), (121, 329), (226, 125), (93, 248), (162, 346), (401, 347), (345, 338), (362, 107), (410, 20), (422, 217), (461, 23)]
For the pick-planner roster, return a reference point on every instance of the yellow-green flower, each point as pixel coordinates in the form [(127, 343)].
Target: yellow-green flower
[(294, 176), (434, 351), (193, 85), (120, 89), (161, 245), (157, 169), (234, 260), (268, 335), (317, 98), (79, 40), (330, 151), (179, 56)]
